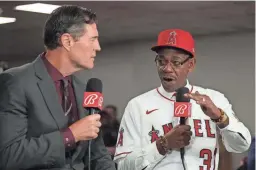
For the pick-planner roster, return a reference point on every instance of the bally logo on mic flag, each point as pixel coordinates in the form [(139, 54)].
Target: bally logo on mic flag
[(93, 99), (182, 109)]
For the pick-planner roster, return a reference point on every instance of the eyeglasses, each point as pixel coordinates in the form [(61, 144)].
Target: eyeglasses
[(176, 63)]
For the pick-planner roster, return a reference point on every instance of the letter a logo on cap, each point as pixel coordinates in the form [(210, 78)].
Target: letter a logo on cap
[(172, 38)]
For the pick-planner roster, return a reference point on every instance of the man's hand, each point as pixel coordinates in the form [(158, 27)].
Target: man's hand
[(86, 128), (177, 138), (208, 107)]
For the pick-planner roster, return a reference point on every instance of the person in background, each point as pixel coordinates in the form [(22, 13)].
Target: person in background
[(110, 126), (112, 111), (3, 66), (248, 162), (251, 156), (243, 164)]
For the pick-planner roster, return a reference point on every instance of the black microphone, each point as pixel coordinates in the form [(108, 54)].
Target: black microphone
[(181, 98), (94, 85), (93, 101)]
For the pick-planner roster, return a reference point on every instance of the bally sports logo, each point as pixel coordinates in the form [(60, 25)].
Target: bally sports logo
[(93, 99), (182, 109)]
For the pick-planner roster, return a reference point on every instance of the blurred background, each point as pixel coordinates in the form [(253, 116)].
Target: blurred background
[(225, 48)]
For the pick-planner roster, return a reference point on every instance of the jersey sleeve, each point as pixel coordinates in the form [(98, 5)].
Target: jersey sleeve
[(130, 154), (236, 136)]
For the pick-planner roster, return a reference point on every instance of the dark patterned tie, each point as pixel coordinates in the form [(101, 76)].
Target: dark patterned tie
[(67, 102), (67, 107)]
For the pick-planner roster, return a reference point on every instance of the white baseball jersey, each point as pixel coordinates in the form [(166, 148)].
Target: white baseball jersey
[(150, 115)]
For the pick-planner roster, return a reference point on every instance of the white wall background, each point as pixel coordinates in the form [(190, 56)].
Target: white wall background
[(225, 63)]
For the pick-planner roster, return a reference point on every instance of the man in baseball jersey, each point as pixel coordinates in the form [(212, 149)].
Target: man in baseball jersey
[(150, 136)]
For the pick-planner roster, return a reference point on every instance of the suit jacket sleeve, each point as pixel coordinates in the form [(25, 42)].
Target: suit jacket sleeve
[(17, 150), (100, 158)]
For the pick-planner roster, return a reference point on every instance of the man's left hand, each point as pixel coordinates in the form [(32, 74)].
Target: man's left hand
[(208, 107)]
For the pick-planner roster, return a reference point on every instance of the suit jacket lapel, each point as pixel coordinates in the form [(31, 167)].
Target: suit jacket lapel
[(49, 93), (79, 88)]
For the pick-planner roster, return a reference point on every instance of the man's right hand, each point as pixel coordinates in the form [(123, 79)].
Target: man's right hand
[(179, 137), (86, 128)]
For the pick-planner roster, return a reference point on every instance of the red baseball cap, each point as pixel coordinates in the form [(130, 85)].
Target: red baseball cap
[(176, 38)]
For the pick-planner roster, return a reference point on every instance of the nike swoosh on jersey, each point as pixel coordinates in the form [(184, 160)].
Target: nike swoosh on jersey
[(150, 111)]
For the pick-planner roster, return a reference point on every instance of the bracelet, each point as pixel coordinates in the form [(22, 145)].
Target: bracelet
[(222, 117), (164, 143)]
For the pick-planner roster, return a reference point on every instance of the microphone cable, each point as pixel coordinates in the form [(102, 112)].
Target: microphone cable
[(182, 153)]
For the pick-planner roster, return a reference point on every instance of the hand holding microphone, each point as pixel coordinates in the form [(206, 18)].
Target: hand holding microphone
[(87, 128), (178, 137), (182, 109)]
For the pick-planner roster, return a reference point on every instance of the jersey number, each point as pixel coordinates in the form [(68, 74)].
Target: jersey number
[(207, 155)]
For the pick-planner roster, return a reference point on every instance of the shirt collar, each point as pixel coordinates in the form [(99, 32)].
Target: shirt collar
[(53, 72), (171, 95)]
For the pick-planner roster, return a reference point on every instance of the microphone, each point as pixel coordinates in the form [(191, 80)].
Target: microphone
[(93, 98), (182, 106), (182, 109), (93, 101)]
